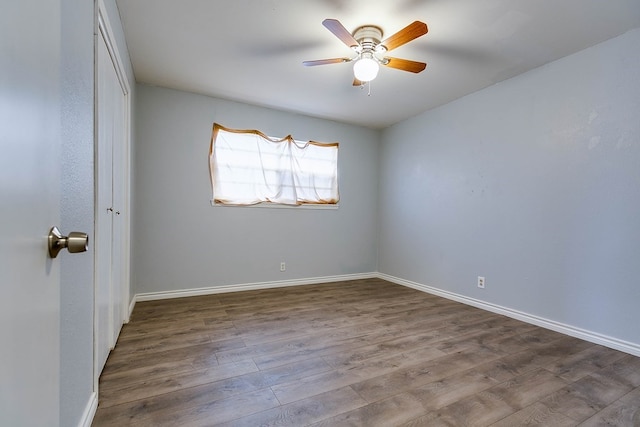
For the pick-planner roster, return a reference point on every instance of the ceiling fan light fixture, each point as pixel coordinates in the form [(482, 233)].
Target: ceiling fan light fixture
[(366, 68)]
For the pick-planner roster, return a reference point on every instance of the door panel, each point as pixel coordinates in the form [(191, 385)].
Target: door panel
[(29, 207), (120, 211)]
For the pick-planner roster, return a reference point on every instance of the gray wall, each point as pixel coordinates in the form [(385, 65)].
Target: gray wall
[(76, 277), (181, 242), (77, 204), (533, 183)]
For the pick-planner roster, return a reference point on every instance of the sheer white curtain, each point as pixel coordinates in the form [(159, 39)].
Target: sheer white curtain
[(247, 167)]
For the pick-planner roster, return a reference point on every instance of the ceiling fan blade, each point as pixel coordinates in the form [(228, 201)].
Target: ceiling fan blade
[(357, 82), (405, 64), (340, 32), (408, 33), (325, 61)]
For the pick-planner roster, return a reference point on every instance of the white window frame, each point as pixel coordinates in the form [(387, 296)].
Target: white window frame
[(280, 172)]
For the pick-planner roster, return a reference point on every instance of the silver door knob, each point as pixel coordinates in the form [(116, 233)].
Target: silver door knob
[(75, 242)]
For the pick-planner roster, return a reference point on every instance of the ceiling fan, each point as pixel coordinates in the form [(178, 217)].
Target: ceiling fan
[(365, 41)]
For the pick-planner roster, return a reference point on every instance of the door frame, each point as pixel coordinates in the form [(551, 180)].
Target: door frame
[(104, 30)]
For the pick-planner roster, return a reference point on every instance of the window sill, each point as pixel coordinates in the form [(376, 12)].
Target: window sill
[(277, 206)]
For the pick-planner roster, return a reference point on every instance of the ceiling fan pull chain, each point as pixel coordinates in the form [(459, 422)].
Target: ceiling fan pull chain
[(369, 84)]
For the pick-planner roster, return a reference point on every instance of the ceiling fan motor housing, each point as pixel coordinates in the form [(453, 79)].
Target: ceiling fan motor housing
[(369, 37)]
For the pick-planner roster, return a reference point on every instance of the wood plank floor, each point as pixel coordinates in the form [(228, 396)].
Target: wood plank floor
[(360, 353)]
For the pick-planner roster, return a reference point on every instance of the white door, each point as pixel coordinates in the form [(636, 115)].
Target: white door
[(119, 191), (111, 207), (104, 207), (29, 206)]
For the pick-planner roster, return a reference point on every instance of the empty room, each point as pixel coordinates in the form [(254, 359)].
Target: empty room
[(322, 213)]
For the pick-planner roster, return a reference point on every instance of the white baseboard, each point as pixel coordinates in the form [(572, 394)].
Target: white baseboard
[(132, 304), (596, 338), (152, 296), (89, 411)]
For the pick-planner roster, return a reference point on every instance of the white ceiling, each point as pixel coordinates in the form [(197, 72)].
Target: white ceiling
[(252, 50)]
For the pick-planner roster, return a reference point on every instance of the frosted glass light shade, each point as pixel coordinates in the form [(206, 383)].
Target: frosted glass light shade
[(365, 69)]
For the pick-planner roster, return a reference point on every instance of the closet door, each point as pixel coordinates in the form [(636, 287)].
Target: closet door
[(104, 204), (111, 247), (118, 200)]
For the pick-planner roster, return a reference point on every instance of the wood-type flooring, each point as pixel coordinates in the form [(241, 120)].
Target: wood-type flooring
[(355, 353)]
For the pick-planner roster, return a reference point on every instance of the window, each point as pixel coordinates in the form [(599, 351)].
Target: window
[(247, 167)]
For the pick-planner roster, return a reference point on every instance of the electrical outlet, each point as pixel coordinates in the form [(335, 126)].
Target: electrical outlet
[(481, 282), (283, 266)]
